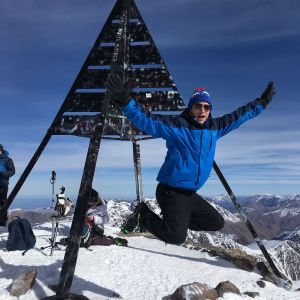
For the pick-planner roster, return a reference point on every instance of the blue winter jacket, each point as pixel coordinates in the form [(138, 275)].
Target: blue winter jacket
[(7, 169), (191, 146)]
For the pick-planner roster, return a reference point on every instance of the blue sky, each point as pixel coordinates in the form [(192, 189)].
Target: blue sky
[(232, 48)]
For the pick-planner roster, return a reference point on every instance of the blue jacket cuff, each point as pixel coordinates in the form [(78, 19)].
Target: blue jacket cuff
[(130, 105)]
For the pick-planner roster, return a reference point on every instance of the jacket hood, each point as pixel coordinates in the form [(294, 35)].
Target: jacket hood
[(5, 153)]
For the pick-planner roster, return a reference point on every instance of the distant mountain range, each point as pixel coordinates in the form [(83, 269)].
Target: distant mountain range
[(273, 217)]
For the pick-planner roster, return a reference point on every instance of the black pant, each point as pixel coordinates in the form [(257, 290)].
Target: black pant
[(181, 210), (3, 196)]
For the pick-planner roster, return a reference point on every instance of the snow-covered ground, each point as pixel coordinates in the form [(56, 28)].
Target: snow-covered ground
[(147, 269)]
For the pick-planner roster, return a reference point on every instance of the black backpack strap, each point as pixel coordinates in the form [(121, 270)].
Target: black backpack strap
[(24, 233), (24, 237), (24, 252)]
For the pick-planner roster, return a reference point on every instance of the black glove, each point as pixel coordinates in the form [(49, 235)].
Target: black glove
[(268, 93), (120, 92)]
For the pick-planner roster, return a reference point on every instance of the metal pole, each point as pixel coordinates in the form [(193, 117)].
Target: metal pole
[(71, 254), (279, 278), (137, 171), (70, 259), (52, 181)]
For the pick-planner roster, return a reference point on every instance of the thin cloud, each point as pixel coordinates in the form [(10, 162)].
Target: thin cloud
[(216, 23)]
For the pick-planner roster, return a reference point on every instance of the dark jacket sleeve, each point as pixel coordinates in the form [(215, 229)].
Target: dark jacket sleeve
[(10, 168), (231, 121)]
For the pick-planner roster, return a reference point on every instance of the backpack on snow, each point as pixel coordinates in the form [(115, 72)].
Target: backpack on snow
[(20, 235)]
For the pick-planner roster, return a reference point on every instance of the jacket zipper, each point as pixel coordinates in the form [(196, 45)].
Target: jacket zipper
[(198, 176)]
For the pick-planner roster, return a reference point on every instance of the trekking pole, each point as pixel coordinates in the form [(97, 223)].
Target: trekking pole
[(278, 278), (137, 171)]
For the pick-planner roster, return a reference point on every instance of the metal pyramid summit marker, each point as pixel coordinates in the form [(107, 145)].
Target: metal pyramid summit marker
[(153, 87)]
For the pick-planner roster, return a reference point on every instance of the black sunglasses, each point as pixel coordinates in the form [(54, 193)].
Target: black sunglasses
[(199, 106)]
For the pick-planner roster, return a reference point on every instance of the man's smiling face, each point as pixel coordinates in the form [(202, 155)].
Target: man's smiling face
[(200, 111)]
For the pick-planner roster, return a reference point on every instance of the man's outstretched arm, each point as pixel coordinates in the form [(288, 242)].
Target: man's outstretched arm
[(155, 125), (231, 121)]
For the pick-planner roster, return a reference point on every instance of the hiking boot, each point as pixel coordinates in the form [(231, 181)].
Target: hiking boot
[(133, 222)]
